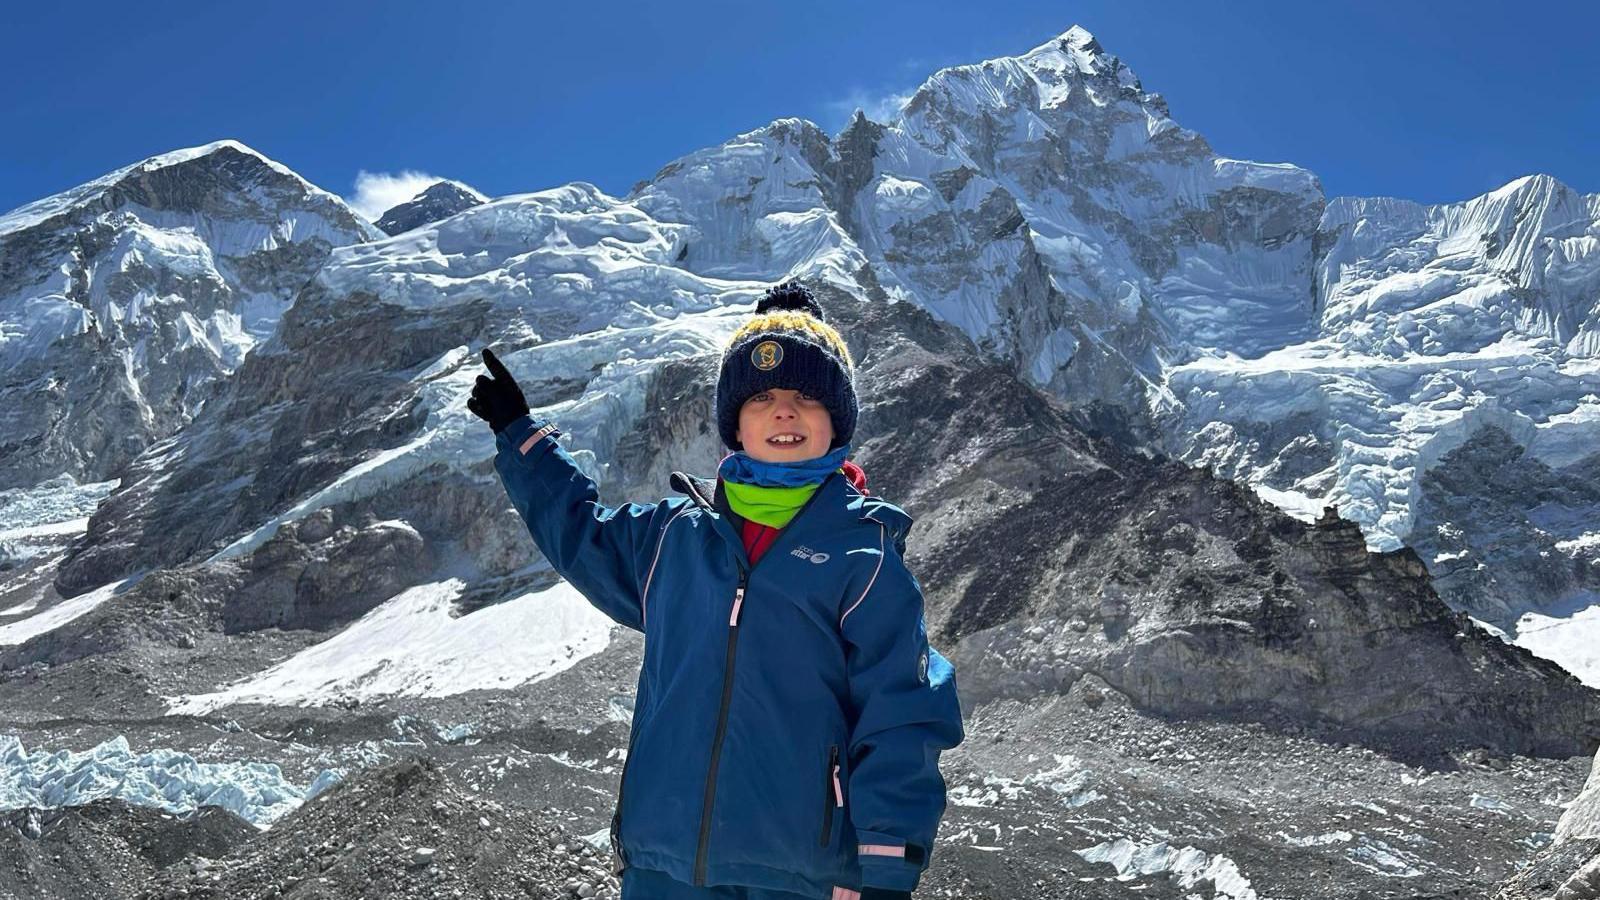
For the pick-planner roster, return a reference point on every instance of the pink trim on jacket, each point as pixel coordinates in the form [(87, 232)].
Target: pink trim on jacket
[(534, 438), (644, 596), (881, 531)]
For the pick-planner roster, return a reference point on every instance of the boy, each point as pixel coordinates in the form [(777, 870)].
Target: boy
[(790, 712)]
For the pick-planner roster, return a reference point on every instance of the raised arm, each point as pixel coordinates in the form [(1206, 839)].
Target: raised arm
[(601, 550)]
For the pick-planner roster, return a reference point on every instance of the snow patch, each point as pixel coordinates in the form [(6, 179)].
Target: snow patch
[(1376, 856), (413, 646), (61, 613), (1572, 641), (1581, 821)]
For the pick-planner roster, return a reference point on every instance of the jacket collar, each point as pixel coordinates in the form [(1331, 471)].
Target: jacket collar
[(835, 493)]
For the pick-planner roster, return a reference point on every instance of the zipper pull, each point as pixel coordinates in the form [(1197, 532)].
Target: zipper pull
[(833, 763), (738, 601)]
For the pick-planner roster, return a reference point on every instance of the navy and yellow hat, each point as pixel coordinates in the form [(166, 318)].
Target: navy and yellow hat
[(787, 345)]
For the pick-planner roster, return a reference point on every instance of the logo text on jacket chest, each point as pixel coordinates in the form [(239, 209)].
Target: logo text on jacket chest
[(815, 556)]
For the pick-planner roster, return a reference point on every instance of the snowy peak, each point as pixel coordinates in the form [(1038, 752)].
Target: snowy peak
[(761, 206), (1514, 220), (1469, 332), (440, 200), (181, 180), (1071, 71), (1075, 48), (1524, 254)]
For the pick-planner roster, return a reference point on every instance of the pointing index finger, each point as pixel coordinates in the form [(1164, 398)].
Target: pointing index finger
[(496, 367)]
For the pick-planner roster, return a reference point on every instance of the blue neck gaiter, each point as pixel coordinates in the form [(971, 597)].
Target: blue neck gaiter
[(741, 468)]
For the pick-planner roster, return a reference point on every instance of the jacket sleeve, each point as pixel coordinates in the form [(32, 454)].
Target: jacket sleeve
[(906, 713), (598, 549)]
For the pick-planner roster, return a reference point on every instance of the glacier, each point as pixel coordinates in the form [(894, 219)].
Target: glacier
[(166, 779)]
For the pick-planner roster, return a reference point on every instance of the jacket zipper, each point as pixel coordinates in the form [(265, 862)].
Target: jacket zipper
[(835, 794), (727, 679), (722, 729)]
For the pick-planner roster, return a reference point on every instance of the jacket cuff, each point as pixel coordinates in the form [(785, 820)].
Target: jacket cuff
[(527, 438), (889, 862)]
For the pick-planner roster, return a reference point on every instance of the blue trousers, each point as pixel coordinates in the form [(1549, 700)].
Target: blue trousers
[(647, 884)]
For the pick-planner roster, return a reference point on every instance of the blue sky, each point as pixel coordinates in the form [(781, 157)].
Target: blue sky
[(1431, 101)]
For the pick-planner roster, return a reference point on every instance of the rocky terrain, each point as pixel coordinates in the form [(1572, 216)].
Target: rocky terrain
[(1570, 868), (105, 848)]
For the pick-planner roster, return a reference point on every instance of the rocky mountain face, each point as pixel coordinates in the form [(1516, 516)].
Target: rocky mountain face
[(124, 301), (1171, 683), (440, 200)]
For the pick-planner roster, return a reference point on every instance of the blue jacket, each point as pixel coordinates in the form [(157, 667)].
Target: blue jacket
[(790, 715)]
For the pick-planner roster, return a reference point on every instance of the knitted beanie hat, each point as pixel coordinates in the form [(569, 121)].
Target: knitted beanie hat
[(787, 345)]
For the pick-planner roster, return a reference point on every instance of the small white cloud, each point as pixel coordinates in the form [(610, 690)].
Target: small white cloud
[(881, 106), (378, 192)]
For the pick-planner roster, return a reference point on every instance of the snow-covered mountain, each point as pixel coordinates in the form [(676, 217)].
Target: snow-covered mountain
[(1041, 275), (123, 300), (1045, 204), (1450, 400), (439, 200), (1218, 310), (362, 386)]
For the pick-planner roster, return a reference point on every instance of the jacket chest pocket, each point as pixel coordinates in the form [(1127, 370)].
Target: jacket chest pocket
[(833, 796)]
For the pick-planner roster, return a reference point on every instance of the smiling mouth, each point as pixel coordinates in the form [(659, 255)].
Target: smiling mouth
[(786, 440)]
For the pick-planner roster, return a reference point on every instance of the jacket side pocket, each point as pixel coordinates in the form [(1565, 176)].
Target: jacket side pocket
[(833, 795)]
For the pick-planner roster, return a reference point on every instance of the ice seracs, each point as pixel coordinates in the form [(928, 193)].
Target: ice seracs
[(170, 780)]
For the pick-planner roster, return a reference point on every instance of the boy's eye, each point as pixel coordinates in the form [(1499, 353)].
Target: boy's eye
[(805, 396), (761, 397)]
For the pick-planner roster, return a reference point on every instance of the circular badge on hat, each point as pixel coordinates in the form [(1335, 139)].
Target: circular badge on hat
[(767, 355)]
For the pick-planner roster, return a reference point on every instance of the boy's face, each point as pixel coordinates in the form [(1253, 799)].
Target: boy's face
[(781, 425)]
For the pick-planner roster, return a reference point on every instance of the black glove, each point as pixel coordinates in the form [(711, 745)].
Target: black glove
[(497, 400), (873, 893)]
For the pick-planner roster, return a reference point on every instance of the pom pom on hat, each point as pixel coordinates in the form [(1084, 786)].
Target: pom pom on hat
[(790, 295)]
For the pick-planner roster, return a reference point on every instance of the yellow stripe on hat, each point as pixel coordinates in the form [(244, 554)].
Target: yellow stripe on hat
[(779, 321)]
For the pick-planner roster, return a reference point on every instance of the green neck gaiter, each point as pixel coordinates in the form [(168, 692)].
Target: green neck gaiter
[(772, 506)]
